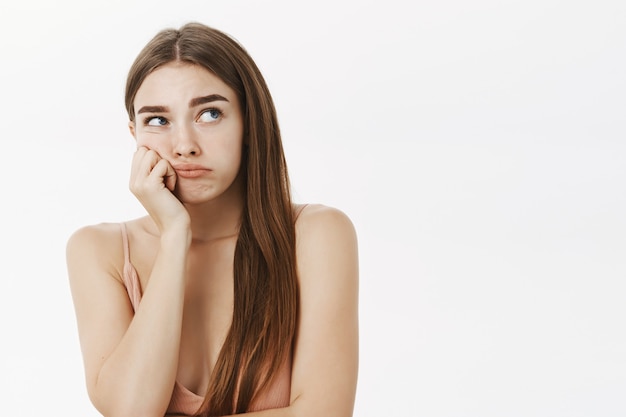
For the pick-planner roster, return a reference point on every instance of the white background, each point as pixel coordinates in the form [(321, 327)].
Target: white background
[(478, 147)]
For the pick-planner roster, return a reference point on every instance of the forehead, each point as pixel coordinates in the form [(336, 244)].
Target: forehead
[(180, 82)]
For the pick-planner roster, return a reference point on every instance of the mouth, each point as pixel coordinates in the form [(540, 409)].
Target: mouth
[(191, 171)]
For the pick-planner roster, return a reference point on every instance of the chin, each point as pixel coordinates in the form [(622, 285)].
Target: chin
[(194, 196), (194, 199), (204, 193)]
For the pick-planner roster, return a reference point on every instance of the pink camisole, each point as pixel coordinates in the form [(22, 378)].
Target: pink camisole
[(183, 400)]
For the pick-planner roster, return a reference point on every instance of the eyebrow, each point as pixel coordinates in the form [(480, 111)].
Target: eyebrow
[(192, 103), (206, 99), (153, 109)]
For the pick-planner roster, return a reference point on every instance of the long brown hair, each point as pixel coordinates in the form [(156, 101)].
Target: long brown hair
[(265, 286)]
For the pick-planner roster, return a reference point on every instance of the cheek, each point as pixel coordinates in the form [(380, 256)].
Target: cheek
[(237, 149), (233, 157), (149, 142)]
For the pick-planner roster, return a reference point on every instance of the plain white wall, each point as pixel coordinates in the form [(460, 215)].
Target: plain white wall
[(478, 147)]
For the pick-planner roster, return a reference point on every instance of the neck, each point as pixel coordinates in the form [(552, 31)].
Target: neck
[(212, 221)]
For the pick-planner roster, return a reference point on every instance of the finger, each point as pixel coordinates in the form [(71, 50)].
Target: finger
[(148, 162), (170, 177), (164, 173), (143, 162), (136, 162), (134, 168)]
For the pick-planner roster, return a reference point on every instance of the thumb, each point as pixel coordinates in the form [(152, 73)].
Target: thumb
[(169, 179)]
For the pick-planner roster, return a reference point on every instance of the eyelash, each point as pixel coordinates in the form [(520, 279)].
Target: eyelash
[(211, 109), (146, 120)]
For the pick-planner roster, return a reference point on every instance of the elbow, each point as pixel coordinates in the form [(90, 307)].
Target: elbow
[(125, 406), (131, 411), (115, 399)]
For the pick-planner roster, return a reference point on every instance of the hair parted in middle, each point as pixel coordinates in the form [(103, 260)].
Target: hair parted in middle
[(265, 284)]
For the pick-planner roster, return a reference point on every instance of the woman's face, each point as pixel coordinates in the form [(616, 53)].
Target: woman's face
[(192, 119)]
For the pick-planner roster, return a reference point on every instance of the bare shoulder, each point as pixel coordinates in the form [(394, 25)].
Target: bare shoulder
[(326, 242), (97, 246), (97, 232), (316, 220)]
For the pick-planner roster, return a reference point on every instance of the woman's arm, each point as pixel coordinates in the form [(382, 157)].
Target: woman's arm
[(325, 363), (131, 359)]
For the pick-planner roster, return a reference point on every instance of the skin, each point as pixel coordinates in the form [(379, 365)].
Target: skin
[(183, 252)]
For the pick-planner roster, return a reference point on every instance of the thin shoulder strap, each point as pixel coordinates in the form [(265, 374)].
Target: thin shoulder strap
[(129, 274), (125, 242), (300, 210)]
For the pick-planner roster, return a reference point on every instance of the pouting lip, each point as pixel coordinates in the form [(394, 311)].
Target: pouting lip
[(190, 167), (191, 170)]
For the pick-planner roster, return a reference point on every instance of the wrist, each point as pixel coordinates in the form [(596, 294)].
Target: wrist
[(176, 235)]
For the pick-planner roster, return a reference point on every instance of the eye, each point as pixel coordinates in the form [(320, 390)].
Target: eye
[(155, 121), (210, 115)]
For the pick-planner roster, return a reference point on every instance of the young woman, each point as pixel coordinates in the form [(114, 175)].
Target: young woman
[(226, 298)]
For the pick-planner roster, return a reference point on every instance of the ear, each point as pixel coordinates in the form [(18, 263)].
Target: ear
[(131, 127)]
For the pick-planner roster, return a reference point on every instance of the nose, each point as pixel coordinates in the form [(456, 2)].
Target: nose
[(185, 142)]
